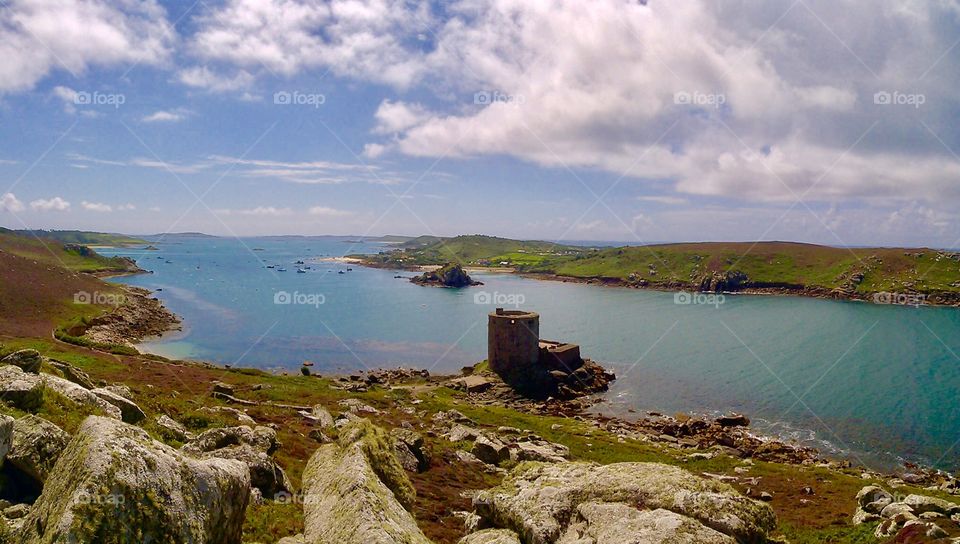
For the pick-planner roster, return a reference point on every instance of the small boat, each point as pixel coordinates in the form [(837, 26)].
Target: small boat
[(169, 262), (281, 269), (341, 272), (298, 262), (349, 270), (301, 271), (271, 266)]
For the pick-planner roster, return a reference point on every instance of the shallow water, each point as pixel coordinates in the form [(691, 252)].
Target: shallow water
[(875, 383)]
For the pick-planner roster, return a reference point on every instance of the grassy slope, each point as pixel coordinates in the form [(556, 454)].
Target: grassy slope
[(765, 263), (474, 250), (39, 280), (55, 253), (81, 237)]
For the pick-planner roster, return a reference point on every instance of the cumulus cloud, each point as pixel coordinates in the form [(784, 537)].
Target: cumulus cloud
[(9, 203), (55, 204), (205, 78), (263, 211), (756, 101), (40, 36), (370, 39), (96, 207), (324, 211), (165, 116)]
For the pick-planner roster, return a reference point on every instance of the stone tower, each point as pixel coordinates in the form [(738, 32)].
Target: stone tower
[(513, 344)]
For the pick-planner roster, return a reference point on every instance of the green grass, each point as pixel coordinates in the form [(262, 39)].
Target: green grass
[(765, 264), (82, 237), (54, 252)]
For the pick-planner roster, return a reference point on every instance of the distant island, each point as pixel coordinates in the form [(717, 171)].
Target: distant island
[(886, 275)]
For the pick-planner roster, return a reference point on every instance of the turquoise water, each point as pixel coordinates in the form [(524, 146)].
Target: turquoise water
[(874, 383)]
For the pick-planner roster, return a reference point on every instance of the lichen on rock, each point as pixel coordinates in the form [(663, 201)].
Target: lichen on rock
[(539, 500), (356, 492), (114, 484)]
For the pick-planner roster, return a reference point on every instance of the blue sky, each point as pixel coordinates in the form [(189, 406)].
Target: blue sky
[(821, 121)]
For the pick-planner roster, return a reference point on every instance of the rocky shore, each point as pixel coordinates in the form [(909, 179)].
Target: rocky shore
[(136, 317)]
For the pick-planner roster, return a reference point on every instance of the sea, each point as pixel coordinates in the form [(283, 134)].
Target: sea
[(877, 384)]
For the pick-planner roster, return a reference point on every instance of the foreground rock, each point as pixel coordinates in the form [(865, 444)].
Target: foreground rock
[(29, 360), (20, 389), (544, 502), (37, 444), (114, 483), (917, 515), (80, 395), (6, 436), (129, 411), (252, 447), (356, 492), (73, 374), (449, 275)]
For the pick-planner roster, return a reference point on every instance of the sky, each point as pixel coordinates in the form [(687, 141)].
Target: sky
[(823, 121)]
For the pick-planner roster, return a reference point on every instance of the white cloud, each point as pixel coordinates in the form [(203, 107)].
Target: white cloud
[(203, 77), (369, 39), (40, 36), (55, 204), (9, 203), (324, 211), (263, 211), (767, 104), (96, 207), (671, 200), (165, 116), (393, 117)]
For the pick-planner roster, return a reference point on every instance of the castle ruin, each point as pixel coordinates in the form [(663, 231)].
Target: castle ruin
[(533, 365)]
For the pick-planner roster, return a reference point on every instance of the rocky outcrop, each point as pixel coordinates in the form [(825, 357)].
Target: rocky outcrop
[(410, 451), (542, 502), (138, 317), (29, 360), (260, 438), (113, 483), (73, 374), (449, 275), (491, 536), (6, 436), (79, 395), (619, 522), (37, 444), (20, 389), (322, 416), (171, 429), (129, 411), (916, 514), (356, 492), (253, 447)]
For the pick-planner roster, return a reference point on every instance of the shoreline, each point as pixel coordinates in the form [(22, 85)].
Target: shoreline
[(173, 324), (948, 300)]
